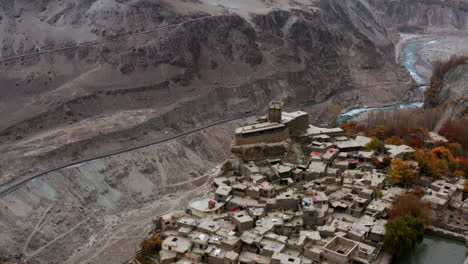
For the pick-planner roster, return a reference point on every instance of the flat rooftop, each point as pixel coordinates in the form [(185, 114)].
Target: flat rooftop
[(259, 127), (286, 116), (341, 245), (202, 204)]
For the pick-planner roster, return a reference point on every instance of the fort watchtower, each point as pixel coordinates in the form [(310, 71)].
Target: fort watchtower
[(275, 111)]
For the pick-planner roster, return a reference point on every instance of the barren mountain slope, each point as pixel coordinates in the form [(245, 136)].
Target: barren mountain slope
[(221, 60), (203, 63), (455, 92), (435, 16)]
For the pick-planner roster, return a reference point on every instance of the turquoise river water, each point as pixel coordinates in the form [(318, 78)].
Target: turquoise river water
[(410, 58)]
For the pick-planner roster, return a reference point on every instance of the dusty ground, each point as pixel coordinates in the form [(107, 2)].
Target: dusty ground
[(121, 236)]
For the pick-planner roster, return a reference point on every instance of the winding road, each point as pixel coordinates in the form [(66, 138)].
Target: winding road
[(115, 38), (21, 183)]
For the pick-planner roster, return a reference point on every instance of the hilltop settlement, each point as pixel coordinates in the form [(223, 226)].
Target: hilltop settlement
[(296, 193)]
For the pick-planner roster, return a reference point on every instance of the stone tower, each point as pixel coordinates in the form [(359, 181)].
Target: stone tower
[(275, 111)]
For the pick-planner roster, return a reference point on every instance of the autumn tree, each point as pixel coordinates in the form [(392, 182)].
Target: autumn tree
[(379, 131), (455, 148), (416, 136), (401, 172), (351, 127), (442, 153), (151, 246), (463, 165), (436, 163), (456, 131), (393, 140), (411, 204)]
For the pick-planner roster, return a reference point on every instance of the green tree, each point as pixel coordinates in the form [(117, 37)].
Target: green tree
[(375, 145), (403, 233)]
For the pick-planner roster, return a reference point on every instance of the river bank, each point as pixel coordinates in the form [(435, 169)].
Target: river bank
[(435, 250), (416, 53), (436, 231)]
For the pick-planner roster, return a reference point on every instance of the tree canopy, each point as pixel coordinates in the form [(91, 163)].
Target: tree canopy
[(151, 246), (403, 233), (408, 217), (375, 145), (401, 172), (411, 204)]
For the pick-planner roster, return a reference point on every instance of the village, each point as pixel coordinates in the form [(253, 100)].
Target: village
[(296, 193)]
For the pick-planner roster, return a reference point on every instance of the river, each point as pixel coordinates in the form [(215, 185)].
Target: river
[(435, 250), (410, 58)]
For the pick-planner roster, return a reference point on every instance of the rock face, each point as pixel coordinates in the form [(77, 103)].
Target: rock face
[(455, 84), (454, 91), (104, 75), (424, 15)]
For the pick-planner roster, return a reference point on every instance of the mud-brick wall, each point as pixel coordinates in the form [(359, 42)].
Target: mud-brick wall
[(298, 125), (266, 136)]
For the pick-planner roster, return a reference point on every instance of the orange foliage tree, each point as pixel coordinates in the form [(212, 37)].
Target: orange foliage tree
[(377, 131), (443, 153), (393, 140), (416, 136), (401, 172), (151, 246), (455, 148), (456, 131), (351, 127), (431, 165)]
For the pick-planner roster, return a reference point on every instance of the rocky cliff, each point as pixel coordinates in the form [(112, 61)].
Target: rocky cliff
[(453, 93), (417, 16), (104, 75), (455, 84)]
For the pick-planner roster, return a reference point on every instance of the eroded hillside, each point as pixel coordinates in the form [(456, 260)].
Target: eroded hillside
[(231, 61), (137, 71)]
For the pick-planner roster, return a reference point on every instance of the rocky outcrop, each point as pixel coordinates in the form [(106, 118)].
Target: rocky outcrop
[(424, 15), (455, 85)]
